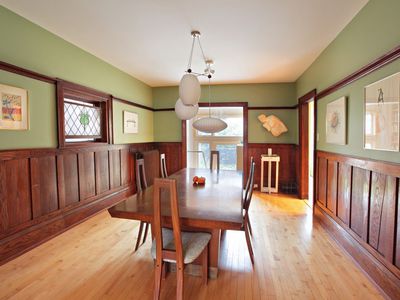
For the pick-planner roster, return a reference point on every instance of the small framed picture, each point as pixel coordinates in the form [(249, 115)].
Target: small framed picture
[(336, 122), (13, 108), (131, 122)]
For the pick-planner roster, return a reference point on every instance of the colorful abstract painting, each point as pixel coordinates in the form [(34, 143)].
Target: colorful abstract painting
[(13, 108)]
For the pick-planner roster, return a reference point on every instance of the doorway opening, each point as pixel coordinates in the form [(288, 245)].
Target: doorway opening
[(229, 142), (307, 108), (310, 153)]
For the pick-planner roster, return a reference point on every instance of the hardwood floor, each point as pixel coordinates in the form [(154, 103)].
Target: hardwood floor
[(294, 259)]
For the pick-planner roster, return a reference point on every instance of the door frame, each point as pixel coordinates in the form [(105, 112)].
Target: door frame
[(304, 142), (245, 107)]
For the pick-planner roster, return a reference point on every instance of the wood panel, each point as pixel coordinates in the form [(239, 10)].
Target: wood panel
[(115, 168), (44, 185), (359, 202), (383, 215), (126, 158), (331, 189), (344, 192), (71, 178), (368, 195), (45, 191), (102, 171), (15, 197), (322, 178), (397, 256), (287, 165), (87, 181)]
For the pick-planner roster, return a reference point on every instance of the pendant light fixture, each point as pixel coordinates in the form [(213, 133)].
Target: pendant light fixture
[(209, 124), (186, 106)]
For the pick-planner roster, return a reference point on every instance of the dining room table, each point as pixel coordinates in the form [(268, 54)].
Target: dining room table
[(212, 207)]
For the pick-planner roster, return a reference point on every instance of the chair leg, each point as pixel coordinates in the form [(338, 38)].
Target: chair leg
[(145, 232), (164, 270), (205, 264), (179, 282), (157, 280), (139, 237), (248, 241), (249, 224)]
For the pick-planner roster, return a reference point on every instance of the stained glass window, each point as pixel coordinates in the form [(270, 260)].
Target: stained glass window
[(82, 120), (83, 115)]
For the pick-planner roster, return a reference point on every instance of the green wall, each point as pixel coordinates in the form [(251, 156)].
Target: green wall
[(29, 46), (372, 33), (167, 127)]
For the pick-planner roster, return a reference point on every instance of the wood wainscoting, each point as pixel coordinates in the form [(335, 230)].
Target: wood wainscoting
[(173, 154), (358, 202), (45, 191), (287, 167)]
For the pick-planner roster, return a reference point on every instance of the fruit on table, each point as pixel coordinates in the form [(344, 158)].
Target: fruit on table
[(199, 180)]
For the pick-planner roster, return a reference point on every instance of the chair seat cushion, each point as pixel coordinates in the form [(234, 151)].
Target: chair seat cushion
[(193, 243)]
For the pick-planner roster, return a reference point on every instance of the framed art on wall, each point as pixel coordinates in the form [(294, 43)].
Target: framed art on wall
[(336, 122), (131, 122), (381, 114), (13, 108)]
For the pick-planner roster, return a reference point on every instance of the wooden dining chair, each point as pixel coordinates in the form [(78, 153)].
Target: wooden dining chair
[(212, 154), (247, 189), (174, 245), (141, 183), (246, 206), (163, 166)]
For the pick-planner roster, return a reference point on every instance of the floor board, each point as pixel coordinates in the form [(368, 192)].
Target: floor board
[(294, 259)]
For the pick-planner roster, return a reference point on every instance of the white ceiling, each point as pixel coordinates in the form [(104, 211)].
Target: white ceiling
[(251, 41)]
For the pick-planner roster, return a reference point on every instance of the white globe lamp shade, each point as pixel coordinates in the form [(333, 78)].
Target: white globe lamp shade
[(185, 112), (209, 125), (189, 89)]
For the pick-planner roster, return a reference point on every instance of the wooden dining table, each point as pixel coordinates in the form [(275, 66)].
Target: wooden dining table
[(212, 207)]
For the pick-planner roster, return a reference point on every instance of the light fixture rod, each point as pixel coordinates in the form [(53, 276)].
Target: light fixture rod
[(191, 54)]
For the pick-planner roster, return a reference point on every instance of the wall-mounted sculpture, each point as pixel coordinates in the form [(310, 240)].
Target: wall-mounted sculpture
[(273, 124)]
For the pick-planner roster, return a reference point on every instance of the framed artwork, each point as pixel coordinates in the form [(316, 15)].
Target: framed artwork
[(336, 122), (131, 122), (13, 108), (381, 114)]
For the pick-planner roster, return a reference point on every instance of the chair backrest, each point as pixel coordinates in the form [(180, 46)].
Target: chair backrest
[(163, 166), (212, 153), (249, 190), (152, 165), (246, 190), (166, 184), (141, 182)]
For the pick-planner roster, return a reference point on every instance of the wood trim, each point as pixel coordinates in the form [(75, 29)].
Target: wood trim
[(365, 70), (164, 109), (386, 280), (131, 103), (303, 142), (82, 93), (272, 107), (387, 168), (25, 72), (204, 104)]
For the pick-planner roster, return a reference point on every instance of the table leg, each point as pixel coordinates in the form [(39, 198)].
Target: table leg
[(269, 176)]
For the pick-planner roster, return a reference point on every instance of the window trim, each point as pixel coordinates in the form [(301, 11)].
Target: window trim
[(78, 92)]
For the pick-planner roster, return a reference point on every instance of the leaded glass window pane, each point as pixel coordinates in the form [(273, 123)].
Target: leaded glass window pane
[(81, 120)]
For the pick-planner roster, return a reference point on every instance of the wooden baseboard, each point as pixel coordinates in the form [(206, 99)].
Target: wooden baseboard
[(388, 282)]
